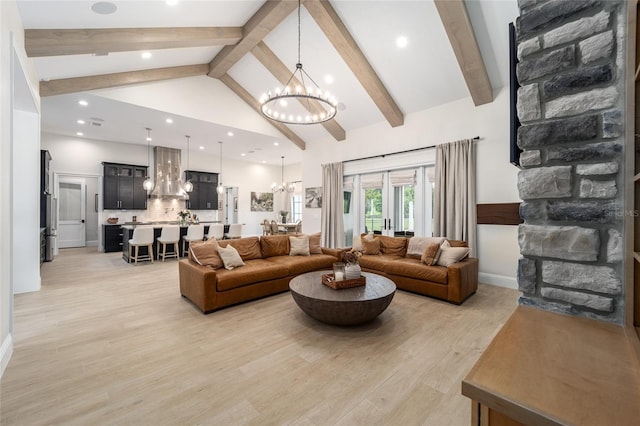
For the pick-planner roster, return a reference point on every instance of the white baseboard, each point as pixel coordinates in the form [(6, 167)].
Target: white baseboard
[(498, 280), (6, 350), (92, 243)]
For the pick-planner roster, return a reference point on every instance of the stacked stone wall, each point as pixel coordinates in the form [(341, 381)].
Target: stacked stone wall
[(571, 71)]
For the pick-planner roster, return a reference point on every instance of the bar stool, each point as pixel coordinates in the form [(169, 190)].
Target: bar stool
[(235, 231), (216, 230), (170, 235), (141, 237), (194, 233)]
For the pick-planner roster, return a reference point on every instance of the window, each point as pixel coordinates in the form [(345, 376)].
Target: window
[(296, 207)]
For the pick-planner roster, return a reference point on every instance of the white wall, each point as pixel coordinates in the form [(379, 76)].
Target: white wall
[(11, 40), (26, 203), (498, 249)]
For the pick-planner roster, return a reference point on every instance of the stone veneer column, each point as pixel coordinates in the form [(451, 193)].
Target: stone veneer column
[(571, 105)]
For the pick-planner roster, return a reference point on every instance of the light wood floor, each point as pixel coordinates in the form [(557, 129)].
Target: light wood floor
[(106, 343)]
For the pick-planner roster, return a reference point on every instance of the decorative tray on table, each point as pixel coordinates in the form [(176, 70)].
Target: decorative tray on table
[(327, 279)]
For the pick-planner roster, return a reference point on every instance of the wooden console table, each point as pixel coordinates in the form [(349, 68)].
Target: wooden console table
[(544, 368)]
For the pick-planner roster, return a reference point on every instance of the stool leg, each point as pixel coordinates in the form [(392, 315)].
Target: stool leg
[(136, 262), (151, 252)]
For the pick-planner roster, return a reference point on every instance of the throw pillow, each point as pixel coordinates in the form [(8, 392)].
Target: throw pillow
[(417, 245), (314, 244), (299, 246), (450, 255), (370, 246), (431, 254), (230, 257), (357, 243), (274, 245), (206, 254)]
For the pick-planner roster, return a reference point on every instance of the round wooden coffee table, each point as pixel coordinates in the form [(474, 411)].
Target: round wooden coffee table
[(349, 306)]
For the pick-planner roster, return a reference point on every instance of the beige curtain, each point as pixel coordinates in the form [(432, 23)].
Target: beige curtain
[(332, 206), (454, 214)]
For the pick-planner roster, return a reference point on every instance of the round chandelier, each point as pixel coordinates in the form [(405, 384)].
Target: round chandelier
[(276, 105)]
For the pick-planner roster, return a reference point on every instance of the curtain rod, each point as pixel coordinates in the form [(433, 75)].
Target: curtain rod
[(477, 138)]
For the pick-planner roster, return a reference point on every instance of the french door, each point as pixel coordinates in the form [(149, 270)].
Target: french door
[(389, 202), (392, 203)]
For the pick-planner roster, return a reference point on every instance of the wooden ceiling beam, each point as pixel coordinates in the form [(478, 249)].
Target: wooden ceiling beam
[(268, 17), (455, 19), (280, 71), (106, 81), (253, 102), (334, 29), (56, 42)]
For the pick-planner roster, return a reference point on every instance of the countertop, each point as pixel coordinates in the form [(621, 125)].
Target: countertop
[(547, 368), (157, 223)]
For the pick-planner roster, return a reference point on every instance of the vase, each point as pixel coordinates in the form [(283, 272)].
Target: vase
[(352, 271), (183, 222), (284, 219)]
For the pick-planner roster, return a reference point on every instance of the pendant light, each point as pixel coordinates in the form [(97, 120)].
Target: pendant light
[(220, 188), (274, 105), (188, 185), (284, 186), (148, 182)]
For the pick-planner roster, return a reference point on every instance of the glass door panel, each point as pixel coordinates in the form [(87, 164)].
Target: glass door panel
[(373, 210), (403, 210)]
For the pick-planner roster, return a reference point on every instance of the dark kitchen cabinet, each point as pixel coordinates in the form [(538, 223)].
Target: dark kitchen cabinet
[(122, 186), (112, 237), (204, 195)]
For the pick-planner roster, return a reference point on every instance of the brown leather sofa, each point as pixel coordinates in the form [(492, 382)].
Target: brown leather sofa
[(454, 283), (267, 271)]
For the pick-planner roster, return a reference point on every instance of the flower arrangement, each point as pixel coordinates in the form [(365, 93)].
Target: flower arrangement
[(284, 213), (351, 256), (184, 215)]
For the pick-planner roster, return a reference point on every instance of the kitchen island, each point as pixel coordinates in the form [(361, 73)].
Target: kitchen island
[(127, 234)]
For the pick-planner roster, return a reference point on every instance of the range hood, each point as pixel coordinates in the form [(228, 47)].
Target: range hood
[(168, 181)]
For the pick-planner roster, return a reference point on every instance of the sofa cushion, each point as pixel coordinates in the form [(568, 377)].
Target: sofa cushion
[(376, 262), (230, 257), (431, 254), (254, 271), (299, 246), (248, 248), (450, 255), (274, 245), (206, 254), (417, 245), (297, 265), (314, 244), (414, 268), (392, 245), (370, 247)]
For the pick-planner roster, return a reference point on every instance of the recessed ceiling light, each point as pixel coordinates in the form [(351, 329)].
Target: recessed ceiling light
[(202, 147), (328, 79), (169, 120), (104, 8), (276, 144), (243, 154), (79, 134), (402, 42), (83, 102), (229, 133), (80, 121), (171, 2), (146, 55)]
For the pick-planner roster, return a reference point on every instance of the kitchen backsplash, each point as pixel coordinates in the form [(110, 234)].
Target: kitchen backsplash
[(157, 210)]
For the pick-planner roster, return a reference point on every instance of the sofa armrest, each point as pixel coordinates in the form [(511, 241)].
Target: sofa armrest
[(462, 279), (335, 252), (198, 284)]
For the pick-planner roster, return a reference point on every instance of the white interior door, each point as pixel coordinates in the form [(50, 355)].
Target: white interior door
[(72, 194)]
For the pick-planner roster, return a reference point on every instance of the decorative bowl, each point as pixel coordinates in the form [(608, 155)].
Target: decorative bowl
[(112, 220)]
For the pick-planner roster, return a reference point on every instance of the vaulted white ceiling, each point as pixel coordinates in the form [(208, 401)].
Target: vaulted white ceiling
[(422, 75)]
